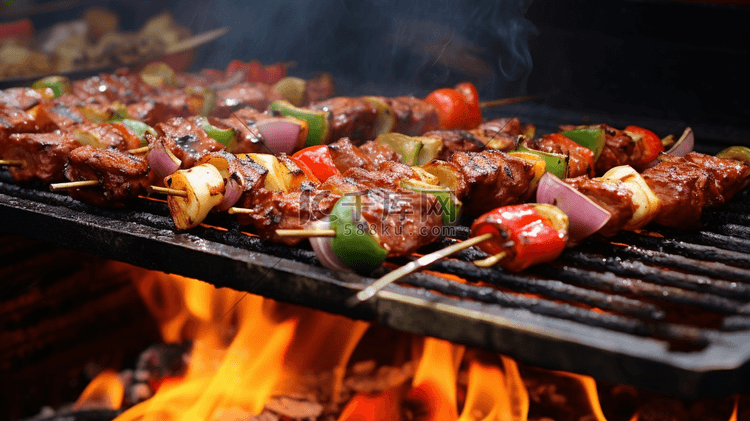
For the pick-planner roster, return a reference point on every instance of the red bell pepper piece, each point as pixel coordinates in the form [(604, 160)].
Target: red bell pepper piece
[(523, 233), (451, 107), (275, 73), (473, 110), (318, 160), (651, 143)]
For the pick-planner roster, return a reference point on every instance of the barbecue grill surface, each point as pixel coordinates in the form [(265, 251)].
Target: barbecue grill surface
[(664, 310)]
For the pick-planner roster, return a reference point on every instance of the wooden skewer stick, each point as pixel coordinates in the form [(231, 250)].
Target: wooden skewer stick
[(139, 150), (306, 233), (12, 162), (240, 211), (413, 266), (167, 191), (508, 101), (491, 261), (73, 184)]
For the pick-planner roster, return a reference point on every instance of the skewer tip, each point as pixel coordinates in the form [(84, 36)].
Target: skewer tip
[(73, 184), (306, 233), (12, 162), (167, 191)]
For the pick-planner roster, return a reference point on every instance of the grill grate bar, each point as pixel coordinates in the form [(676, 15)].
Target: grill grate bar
[(726, 242), (658, 258), (637, 269), (640, 288), (669, 331), (695, 251), (549, 288)]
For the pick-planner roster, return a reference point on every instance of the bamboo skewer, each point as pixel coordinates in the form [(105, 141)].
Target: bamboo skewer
[(73, 184), (491, 261), (240, 211), (139, 150), (12, 162), (306, 233), (167, 191), (423, 261), (508, 101)]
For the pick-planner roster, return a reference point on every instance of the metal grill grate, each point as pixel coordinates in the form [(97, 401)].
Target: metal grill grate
[(664, 310)]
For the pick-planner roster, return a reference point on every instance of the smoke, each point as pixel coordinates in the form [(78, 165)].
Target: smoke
[(375, 46)]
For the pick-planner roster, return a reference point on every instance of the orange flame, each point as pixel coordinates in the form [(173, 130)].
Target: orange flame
[(434, 382), (589, 386), (105, 391), (245, 348), (736, 407), (494, 396), (381, 407)]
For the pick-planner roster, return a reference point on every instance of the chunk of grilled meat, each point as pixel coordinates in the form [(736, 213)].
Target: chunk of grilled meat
[(580, 158), (249, 138), (619, 149), (104, 135), (13, 120), (44, 155), (350, 117), (20, 98), (729, 176), (404, 220), (186, 140), (456, 141), (122, 176), (612, 196), (276, 210), (414, 116), (245, 95), (493, 179), (155, 110)]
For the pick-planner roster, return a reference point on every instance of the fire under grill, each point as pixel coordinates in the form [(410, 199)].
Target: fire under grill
[(664, 310)]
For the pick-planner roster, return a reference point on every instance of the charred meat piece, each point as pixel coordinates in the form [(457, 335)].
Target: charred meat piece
[(103, 135), (345, 155), (44, 155), (153, 111), (122, 176), (276, 210), (612, 196), (729, 176), (403, 219), (52, 116), (20, 98), (186, 140), (350, 117), (319, 87), (414, 116), (456, 141), (15, 121), (341, 185), (249, 138), (106, 88), (378, 154), (493, 179), (502, 133), (682, 188), (379, 179), (245, 95), (580, 158)]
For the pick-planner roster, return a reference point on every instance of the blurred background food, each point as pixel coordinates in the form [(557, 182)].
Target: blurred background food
[(93, 40)]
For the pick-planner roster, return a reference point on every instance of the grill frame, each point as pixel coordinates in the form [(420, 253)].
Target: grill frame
[(538, 332)]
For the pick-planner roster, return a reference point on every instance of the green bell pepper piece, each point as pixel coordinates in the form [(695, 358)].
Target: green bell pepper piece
[(59, 84), (591, 137), (738, 153), (352, 243), (140, 129), (556, 163), (450, 206), (227, 137)]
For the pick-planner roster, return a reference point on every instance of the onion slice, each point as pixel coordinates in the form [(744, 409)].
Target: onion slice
[(323, 249), (279, 134), (682, 147), (585, 216), (233, 189), (162, 160)]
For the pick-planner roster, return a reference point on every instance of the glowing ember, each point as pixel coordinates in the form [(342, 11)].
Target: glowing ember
[(589, 387)]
